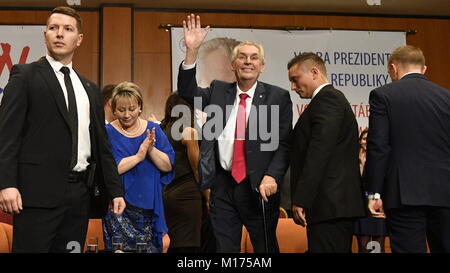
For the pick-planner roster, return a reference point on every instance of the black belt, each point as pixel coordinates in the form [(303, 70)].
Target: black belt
[(75, 177)]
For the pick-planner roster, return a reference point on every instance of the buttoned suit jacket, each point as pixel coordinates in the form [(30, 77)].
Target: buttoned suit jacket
[(36, 141)]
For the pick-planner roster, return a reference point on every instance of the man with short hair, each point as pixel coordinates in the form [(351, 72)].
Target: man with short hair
[(107, 91), (325, 181), (408, 156), (244, 175), (55, 156)]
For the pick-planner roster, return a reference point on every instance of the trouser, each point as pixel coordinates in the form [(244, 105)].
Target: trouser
[(233, 205), (60, 229), (410, 227), (333, 236)]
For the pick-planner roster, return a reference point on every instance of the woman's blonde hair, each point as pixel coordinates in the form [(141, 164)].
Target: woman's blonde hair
[(127, 90)]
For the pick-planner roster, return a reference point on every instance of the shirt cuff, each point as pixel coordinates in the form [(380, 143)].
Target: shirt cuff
[(187, 66)]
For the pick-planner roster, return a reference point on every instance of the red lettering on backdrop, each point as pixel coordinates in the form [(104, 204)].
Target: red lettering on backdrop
[(5, 58)]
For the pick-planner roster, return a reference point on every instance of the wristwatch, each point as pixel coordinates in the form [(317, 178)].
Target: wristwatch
[(374, 196)]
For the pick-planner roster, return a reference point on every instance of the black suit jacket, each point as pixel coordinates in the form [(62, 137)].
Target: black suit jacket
[(36, 138), (275, 160), (408, 146), (325, 177)]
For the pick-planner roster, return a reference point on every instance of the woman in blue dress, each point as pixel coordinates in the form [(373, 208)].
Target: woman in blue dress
[(144, 159)]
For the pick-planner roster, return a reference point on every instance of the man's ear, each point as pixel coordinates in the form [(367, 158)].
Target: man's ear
[(392, 70), (315, 71), (232, 66), (424, 69), (80, 39)]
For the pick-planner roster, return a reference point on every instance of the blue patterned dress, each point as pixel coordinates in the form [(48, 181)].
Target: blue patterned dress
[(144, 214)]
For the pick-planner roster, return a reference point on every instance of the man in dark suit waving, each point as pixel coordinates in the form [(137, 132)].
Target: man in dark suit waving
[(408, 155), (325, 182), (241, 161), (54, 145)]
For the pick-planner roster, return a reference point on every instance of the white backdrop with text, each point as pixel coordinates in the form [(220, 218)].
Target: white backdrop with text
[(19, 44), (356, 60)]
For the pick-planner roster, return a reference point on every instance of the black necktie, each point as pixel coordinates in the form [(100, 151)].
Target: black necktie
[(73, 116)]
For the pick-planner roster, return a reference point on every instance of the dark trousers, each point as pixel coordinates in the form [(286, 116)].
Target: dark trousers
[(233, 205), (207, 241), (333, 236), (60, 229), (410, 227)]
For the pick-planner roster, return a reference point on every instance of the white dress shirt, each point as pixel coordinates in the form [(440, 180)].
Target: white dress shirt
[(318, 89), (226, 138), (84, 139)]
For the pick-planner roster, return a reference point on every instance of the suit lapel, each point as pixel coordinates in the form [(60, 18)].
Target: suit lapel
[(318, 97), (50, 78), (230, 97), (312, 103), (259, 98), (90, 93)]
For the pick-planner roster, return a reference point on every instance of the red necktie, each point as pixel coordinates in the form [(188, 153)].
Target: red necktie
[(238, 166)]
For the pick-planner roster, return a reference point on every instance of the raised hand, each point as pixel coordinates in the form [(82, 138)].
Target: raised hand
[(193, 37)]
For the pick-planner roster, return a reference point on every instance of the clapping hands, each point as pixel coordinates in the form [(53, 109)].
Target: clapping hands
[(147, 144)]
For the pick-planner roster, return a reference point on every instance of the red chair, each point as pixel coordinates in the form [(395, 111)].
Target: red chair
[(5, 238), (6, 218), (291, 238)]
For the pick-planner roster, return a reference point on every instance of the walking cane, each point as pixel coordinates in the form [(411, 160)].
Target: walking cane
[(264, 224)]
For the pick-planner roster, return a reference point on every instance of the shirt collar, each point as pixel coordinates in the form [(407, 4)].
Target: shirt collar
[(409, 73), (318, 89), (57, 65), (250, 92)]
